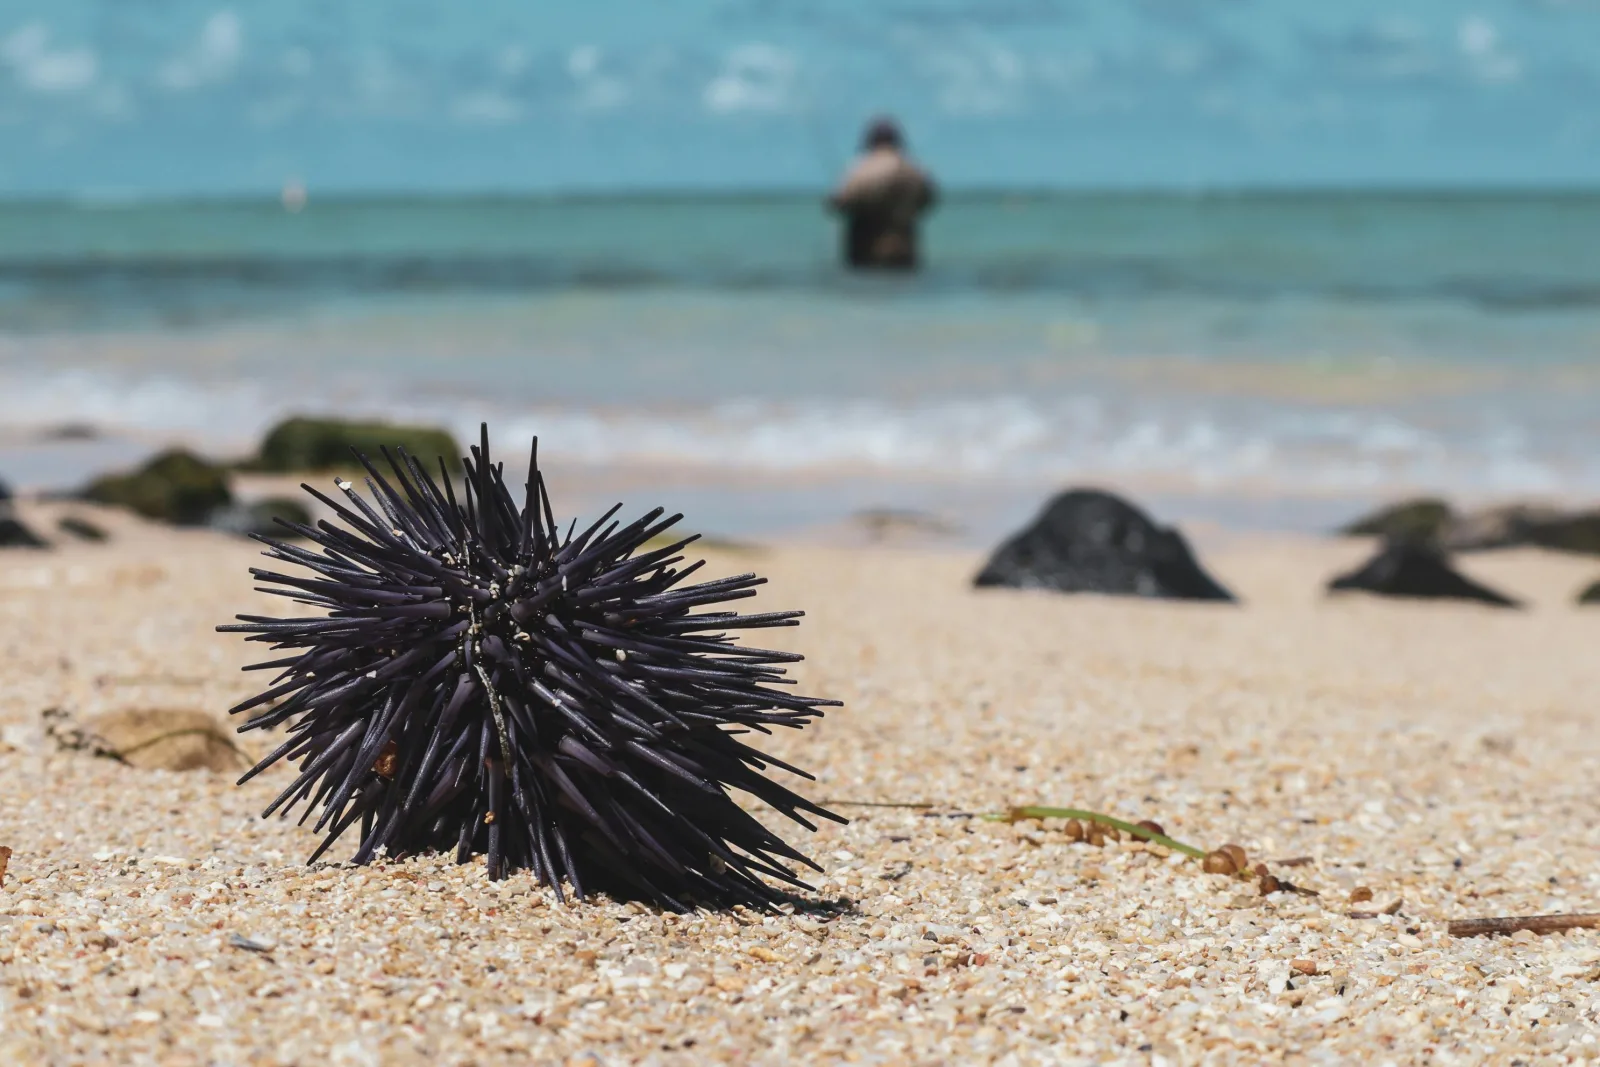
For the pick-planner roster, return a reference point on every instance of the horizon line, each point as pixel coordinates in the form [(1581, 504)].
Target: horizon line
[(1239, 190)]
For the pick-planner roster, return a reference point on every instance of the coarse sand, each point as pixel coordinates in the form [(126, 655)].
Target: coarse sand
[(1442, 757)]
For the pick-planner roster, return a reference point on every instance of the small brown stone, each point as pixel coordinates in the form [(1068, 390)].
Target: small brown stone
[(1269, 885), (1073, 830), (1153, 826), (1241, 858), (1218, 862), (1303, 966), (1096, 838), (1360, 895)]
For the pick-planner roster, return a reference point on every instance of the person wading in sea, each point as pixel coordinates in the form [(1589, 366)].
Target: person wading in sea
[(881, 199)]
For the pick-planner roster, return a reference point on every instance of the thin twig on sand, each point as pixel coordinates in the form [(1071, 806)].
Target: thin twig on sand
[(1510, 924), (879, 804)]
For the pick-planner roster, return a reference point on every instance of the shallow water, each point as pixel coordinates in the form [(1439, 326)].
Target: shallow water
[(1257, 360)]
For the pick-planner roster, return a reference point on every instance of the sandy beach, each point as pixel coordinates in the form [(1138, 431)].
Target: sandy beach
[(1442, 757)]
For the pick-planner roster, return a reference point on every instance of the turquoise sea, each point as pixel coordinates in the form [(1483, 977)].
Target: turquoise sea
[(1258, 359)]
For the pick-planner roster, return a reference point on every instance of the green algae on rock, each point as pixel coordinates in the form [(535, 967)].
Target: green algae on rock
[(312, 444), (176, 486)]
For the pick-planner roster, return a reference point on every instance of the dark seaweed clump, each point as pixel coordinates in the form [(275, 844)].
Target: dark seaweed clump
[(481, 681)]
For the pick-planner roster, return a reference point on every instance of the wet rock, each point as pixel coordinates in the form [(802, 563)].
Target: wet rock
[(305, 444), (1590, 595), (259, 517), (176, 486), (1419, 571), (81, 528), (1087, 541), (1421, 519)]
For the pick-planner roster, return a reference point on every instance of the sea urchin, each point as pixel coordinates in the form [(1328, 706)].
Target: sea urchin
[(482, 681)]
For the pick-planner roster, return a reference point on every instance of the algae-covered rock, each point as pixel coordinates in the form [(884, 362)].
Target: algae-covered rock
[(1423, 519), (1527, 525), (176, 486), (259, 517), (306, 444), (1577, 532)]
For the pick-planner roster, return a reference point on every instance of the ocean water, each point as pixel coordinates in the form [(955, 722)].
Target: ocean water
[(1257, 360)]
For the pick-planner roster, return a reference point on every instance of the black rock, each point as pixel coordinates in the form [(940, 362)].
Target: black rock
[(1417, 570), (1422, 519), (1087, 541), (13, 534), (1591, 595)]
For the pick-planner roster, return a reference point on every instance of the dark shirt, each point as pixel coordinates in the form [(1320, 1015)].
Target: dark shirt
[(881, 199)]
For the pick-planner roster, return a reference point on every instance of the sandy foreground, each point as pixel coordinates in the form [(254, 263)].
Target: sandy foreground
[(1443, 757)]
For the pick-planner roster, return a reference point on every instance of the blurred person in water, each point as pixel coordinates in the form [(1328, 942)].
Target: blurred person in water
[(881, 199)]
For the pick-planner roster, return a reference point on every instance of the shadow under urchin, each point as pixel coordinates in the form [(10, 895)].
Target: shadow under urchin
[(482, 682)]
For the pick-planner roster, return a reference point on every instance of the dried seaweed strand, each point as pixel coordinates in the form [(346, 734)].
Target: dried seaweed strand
[(1133, 829)]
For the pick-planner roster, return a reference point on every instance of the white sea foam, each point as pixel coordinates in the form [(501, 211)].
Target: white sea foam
[(1200, 444)]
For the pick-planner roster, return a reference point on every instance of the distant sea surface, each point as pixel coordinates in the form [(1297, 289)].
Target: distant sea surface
[(1259, 360)]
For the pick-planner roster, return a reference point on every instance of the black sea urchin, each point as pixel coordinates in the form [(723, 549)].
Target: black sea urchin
[(483, 682)]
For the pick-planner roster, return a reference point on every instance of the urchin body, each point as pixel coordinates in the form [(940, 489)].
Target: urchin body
[(555, 701)]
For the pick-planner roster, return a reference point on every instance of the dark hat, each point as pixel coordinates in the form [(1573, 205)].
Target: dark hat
[(882, 132)]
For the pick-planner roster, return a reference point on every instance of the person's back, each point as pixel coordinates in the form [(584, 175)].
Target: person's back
[(881, 199)]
